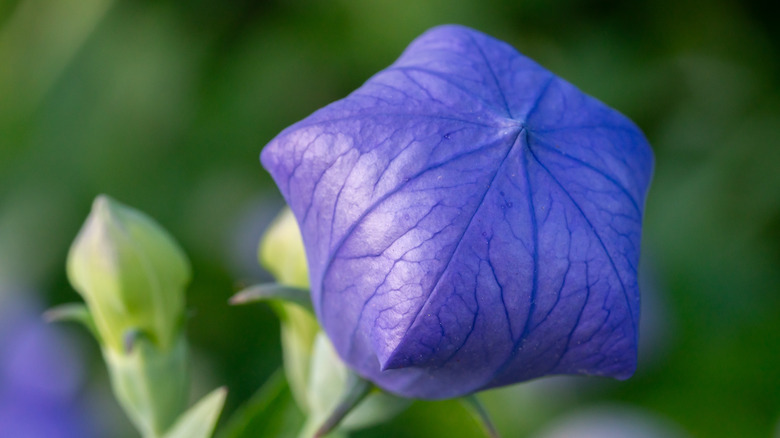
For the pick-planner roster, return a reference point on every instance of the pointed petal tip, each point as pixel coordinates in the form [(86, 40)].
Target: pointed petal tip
[(391, 363), (400, 357)]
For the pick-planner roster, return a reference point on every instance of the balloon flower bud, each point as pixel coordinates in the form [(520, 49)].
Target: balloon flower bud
[(281, 252), (131, 273), (470, 220)]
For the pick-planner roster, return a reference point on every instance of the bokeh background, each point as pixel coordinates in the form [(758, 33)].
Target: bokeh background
[(165, 105)]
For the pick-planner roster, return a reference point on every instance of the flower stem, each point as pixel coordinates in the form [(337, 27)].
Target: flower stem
[(358, 389)]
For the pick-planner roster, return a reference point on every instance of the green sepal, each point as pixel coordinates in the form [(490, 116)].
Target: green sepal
[(330, 381), (298, 330), (357, 389), (282, 253), (273, 291), (199, 420), (151, 384), (72, 312)]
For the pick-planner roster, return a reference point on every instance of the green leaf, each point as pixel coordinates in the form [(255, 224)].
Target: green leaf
[(282, 253), (200, 419)]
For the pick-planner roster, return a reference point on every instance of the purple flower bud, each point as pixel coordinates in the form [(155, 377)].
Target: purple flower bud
[(470, 220)]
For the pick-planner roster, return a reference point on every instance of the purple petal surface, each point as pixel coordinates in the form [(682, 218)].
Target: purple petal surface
[(470, 220)]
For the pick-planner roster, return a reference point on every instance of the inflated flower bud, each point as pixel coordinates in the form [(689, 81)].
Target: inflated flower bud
[(470, 220)]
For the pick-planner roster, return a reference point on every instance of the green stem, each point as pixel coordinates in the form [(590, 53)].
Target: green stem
[(358, 389)]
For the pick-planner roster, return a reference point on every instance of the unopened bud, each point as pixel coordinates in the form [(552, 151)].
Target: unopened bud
[(282, 253), (131, 273)]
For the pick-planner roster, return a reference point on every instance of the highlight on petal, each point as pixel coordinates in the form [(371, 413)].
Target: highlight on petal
[(470, 220)]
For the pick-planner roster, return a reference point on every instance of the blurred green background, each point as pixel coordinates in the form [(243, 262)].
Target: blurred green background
[(165, 106)]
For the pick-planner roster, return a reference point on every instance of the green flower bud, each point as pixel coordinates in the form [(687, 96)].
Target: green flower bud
[(317, 376), (131, 273), (281, 253)]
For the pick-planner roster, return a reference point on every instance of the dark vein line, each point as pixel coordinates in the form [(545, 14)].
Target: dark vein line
[(595, 233), (380, 200), (319, 179), (534, 282), (302, 125), (493, 74), (476, 311), (565, 275), (446, 79), (624, 129), (579, 318), (538, 99), (465, 230), (501, 293), (535, 255), (593, 168), (513, 353)]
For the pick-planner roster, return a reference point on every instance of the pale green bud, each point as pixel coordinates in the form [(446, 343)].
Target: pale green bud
[(131, 273), (282, 253), (317, 376)]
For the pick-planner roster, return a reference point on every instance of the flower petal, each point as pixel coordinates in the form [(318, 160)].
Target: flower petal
[(470, 220)]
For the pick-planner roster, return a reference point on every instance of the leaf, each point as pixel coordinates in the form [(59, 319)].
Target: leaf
[(470, 220), (199, 421)]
